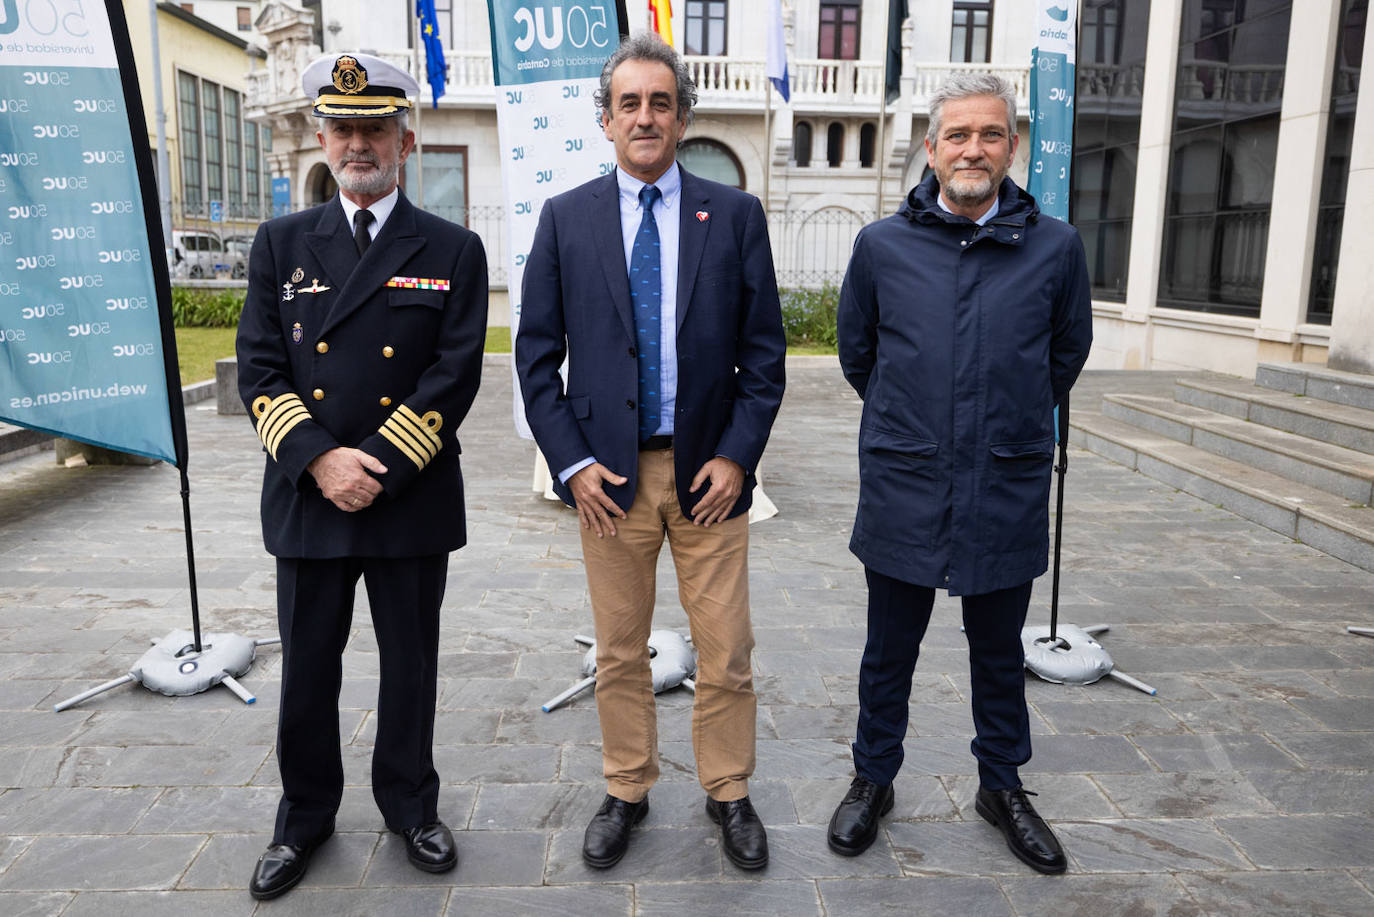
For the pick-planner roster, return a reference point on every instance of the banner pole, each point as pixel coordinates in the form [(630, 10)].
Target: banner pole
[(767, 139), (419, 104), (881, 152), (161, 283)]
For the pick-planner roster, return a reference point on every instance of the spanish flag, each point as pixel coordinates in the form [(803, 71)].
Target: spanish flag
[(662, 11)]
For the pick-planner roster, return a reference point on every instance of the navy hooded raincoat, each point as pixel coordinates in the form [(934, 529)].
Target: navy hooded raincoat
[(960, 339)]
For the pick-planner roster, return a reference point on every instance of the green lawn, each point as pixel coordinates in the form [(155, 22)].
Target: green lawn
[(199, 348)]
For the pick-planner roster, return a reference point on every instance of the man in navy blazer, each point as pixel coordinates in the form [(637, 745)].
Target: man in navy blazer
[(658, 288)]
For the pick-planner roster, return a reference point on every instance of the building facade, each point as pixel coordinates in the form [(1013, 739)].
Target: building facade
[(215, 156), (1224, 161)]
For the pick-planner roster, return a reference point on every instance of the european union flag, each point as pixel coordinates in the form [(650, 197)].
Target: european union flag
[(436, 69)]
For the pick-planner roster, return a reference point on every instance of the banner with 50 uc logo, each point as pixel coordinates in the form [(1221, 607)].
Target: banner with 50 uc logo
[(547, 58), (81, 351), (1051, 101)]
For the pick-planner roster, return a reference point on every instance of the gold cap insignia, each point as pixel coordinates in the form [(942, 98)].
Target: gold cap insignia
[(350, 77)]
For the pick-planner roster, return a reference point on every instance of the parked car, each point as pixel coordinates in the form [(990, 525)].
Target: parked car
[(236, 250), (201, 254)]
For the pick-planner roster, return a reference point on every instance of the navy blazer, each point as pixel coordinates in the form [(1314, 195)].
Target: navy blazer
[(338, 351), (575, 302)]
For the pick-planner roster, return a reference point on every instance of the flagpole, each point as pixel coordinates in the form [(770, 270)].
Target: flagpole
[(419, 104), (767, 138), (882, 116)]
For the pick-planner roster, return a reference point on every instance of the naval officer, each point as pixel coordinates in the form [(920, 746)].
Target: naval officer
[(359, 354)]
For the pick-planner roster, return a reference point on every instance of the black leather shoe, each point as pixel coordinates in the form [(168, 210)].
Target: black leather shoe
[(746, 843), (608, 833), (430, 847), (278, 871), (1026, 832), (854, 826)]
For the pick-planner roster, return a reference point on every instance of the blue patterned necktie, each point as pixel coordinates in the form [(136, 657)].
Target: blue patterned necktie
[(646, 296)]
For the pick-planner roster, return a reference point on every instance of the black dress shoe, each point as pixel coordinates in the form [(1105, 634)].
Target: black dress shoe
[(854, 826), (746, 843), (1026, 832), (430, 847), (608, 833), (278, 871)]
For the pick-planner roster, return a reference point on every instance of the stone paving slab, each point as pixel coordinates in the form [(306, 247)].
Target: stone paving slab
[(1243, 788)]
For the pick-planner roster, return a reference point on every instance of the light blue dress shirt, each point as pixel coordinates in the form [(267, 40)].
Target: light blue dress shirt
[(667, 214), (991, 211)]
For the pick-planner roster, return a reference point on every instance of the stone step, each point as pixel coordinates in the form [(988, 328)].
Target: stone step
[(1344, 472), (1313, 381), (1315, 517), (1339, 424)]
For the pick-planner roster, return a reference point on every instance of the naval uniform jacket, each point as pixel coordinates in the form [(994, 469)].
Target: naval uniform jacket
[(382, 353)]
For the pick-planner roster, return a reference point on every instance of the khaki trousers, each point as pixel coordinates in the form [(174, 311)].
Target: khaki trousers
[(713, 583)]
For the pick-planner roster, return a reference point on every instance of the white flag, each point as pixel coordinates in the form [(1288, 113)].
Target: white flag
[(777, 50)]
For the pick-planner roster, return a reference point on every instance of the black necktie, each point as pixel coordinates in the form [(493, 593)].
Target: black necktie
[(361, 237)]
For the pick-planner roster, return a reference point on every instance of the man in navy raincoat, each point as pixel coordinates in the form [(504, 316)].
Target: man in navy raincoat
[(963, 320)]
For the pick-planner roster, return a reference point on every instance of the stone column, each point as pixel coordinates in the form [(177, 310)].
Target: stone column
[(1352, 317), (1297, 179), (1151, 182)]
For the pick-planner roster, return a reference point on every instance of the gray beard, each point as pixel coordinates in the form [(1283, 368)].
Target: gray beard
[(969, 192), (379, 182)]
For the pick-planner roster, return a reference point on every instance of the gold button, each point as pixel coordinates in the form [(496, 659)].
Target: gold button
[(385, 401), (322, 347), (388, 352), (319, 394)]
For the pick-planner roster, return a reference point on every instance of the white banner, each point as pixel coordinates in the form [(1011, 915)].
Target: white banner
[(547, 64)]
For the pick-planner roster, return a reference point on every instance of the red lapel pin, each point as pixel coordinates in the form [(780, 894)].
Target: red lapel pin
[(703, 216)]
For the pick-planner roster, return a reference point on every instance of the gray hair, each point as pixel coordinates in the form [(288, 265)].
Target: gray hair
[(649, 47), (967, 85), (402, 119)]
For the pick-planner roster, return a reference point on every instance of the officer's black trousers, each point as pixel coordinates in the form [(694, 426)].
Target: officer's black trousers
[(898, 613), (315, 613)]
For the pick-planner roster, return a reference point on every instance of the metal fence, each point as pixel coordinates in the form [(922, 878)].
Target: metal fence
[(810, 247)]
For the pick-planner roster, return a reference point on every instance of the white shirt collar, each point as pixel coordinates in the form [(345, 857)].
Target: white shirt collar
[(380, 210), (668, 184)]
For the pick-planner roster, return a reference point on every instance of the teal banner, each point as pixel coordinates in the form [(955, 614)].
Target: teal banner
[(1051, 105), (82, 351), (550, 41)]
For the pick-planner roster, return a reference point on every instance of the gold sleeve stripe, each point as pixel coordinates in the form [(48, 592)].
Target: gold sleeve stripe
[(417, 437), (405, 448), (427, 426), (419, 446), (277, 416), (279, 431)]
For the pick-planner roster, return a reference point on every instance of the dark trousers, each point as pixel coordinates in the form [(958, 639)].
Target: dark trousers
[(898, 614), (315, 614)]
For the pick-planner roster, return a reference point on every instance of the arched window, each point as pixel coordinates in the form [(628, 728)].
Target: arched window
[(322, 185), (711, 159), (868, 142), (834, 144), (801, 143)]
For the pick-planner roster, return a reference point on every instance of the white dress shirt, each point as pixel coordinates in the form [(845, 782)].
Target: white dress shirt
[(380, 211)]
